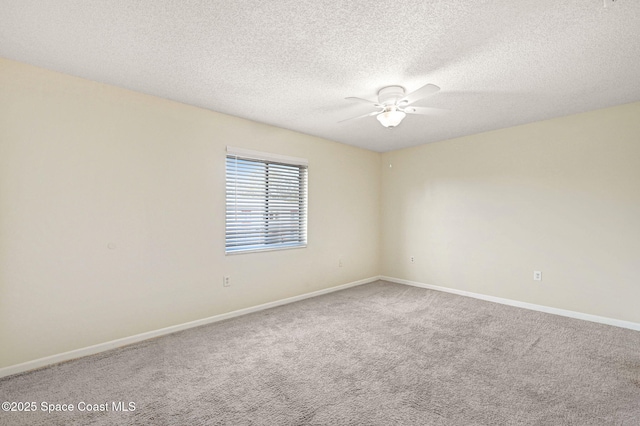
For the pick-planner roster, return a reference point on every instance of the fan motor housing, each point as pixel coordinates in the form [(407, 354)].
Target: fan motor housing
[(390, 95)]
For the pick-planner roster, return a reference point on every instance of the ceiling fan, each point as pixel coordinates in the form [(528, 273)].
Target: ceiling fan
[(394, 104)]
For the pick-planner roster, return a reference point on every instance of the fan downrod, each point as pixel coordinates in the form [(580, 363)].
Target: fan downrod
[(390, 95)]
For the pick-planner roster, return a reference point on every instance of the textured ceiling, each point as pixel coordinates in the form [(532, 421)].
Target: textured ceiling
[(291, 63)]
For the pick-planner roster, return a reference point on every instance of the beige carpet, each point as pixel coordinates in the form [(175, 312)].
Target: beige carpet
[(377, 354)]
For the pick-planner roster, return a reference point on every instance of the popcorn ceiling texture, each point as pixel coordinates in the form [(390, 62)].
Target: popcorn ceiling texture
[(291, 63)]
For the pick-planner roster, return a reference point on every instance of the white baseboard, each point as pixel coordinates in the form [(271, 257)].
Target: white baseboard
[(102, 347), (525, 305)]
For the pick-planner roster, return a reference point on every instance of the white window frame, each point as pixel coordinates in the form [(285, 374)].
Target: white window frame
[(251, 235)]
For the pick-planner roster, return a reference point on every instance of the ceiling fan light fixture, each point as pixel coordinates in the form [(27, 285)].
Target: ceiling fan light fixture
[(393, 104), (391, 118)]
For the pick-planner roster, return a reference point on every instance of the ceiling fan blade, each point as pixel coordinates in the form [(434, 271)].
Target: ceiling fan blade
[(421, 93), (424, 110), (361, 116), (366, 101)]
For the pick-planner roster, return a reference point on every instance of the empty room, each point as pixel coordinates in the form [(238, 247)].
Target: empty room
[(320, 213)]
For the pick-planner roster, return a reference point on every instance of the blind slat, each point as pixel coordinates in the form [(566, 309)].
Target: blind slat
[(266, 204)]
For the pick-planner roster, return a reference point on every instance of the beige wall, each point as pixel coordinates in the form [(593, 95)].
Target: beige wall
[(84, 165), (481, 213)]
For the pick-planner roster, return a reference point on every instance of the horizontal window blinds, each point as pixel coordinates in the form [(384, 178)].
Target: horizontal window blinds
[(266, 203)]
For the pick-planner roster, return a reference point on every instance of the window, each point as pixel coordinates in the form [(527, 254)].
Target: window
[(266, 201)]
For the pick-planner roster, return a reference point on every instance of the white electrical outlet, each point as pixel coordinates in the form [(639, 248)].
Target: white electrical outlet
[(412, 259), (537, 276), (340, 263), (226, 281)]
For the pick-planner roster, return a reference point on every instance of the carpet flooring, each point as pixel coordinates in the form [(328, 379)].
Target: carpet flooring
[(376, 354)]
